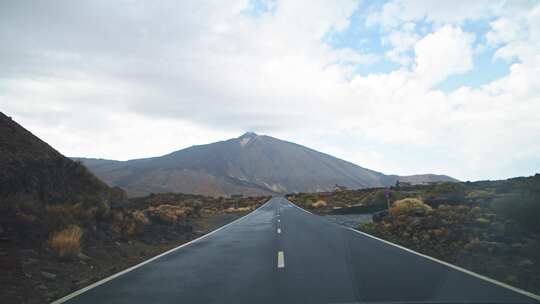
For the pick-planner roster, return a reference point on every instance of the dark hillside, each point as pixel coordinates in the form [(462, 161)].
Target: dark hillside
[(34, 170)]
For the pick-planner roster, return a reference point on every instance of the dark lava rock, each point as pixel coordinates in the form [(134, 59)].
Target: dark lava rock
[(416, 221), (379, 216), (419, 211), (30, 261), (525, 263), (48, 275), (83, 256)]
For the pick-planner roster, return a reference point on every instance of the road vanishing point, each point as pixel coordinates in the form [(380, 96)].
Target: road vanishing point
[(280, 253)]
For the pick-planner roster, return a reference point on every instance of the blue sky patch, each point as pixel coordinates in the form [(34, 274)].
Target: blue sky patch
[(486, 69), (370, 40), (256, 8)]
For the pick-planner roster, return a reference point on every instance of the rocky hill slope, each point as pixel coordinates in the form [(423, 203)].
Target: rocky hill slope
[(34, 171)]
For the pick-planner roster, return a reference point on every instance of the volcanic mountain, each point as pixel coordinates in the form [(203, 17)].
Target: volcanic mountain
[(250, 165)]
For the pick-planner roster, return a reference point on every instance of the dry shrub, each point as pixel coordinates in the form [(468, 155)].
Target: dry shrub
[(140, 217), (117, 227), (169, 213), (473, 242), (66, 242), (239, 209), (318, 204), (130, 223), (480, 194), (129, 228), (408, 205), (483, 221)]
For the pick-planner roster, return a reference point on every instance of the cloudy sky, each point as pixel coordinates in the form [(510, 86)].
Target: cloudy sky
[(397, 86)]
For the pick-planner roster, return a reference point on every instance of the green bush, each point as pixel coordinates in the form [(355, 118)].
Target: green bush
[(450, 192), (480, 194), (378, 198), (521, 206)]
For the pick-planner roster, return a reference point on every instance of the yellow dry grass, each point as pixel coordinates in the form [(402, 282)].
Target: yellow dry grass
[(239, 209), (140, 217), (408, 205), (318, 204), (66, 242), (169, 213)]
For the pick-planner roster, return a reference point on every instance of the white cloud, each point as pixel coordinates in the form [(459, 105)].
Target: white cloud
[(401, 42), (519, 36), (104, 79), (448, 51), (396, 12), (503, 30), (350, 56)]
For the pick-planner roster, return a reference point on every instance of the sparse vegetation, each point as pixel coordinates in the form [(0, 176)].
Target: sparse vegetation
[(236, 210), (377, 198), (445, 193), (490, 227), (369, 200), (140, 217), (409, 206), (123, 235), (480, 195), (66, 242), (169, 213), (523, 207), (318, 204)]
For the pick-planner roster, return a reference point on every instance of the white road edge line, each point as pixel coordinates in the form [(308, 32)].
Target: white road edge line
[(302, 209), (279, 230), (280, 260), (474, 274), (107, 279)]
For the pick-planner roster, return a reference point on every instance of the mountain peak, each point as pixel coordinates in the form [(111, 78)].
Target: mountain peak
[(246, 138), (249, 134)]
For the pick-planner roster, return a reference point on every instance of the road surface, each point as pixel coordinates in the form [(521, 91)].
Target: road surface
[(282, 254)]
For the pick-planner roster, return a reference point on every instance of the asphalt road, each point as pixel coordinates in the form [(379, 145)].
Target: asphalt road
[(282, 254)]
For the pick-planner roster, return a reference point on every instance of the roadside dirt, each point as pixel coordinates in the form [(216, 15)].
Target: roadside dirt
[(30, 275)]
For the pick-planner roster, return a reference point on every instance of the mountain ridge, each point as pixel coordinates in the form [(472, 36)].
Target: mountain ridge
[(250, 164)]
